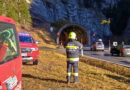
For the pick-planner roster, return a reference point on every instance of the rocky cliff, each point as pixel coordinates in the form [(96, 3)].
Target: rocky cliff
[(127, 30), (75, 11)]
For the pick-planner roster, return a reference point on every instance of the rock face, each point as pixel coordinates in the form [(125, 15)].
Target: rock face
[(75, 11), (127, 31)]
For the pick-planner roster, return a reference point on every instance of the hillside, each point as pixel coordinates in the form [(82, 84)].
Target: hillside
[(41, 35), (50, 73), (17, 9)]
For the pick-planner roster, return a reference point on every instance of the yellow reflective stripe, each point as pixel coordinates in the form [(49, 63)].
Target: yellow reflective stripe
[(75, 74), (73, 59), (69, 74), (74, 47)]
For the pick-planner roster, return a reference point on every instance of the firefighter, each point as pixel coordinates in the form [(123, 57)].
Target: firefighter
[(72, 50)]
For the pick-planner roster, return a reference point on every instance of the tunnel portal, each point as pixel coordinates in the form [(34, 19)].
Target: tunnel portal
[(81, 33)]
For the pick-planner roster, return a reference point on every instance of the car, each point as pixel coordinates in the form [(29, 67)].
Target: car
[(120, 50), (29, 48), (97, 46)]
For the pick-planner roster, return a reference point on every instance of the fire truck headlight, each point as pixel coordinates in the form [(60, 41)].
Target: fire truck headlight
[(34, 49)]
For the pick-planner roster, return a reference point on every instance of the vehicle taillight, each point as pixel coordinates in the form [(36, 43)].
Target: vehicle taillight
[(123, 49)]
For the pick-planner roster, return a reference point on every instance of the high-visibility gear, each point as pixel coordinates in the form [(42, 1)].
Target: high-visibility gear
[(69, 74), (75, 71), (74, 47), (75, 74), (72, 51), (73, 59), (72, 35)]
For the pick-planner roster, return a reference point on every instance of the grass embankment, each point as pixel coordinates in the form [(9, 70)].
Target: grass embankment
[(41, 35), (50, 73)]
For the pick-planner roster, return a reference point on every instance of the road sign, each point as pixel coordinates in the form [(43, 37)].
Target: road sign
[(115, 43)]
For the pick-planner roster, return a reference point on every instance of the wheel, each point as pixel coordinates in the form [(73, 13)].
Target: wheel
[(111, 54), (35, 62), (121, 54), (24, 62)]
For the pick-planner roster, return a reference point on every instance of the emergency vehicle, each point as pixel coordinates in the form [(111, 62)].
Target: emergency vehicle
[(29, 48), (10, 57)]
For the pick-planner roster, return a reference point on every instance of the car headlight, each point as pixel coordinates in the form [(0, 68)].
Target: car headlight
[(34, 49)]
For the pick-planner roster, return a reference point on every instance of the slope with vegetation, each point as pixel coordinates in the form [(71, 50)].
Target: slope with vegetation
[(17, 9), (50, 74), (51, 71)]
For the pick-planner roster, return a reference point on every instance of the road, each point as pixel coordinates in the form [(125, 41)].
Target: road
[(100, 55), (105, 56)]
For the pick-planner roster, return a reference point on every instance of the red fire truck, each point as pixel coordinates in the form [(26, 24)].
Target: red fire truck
[(10, 57), (29, 48)]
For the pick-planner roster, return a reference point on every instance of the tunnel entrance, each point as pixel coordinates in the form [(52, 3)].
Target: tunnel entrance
[(81, 32)]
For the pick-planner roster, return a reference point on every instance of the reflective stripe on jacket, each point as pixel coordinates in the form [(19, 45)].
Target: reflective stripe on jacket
[(72, 49), (73, 59)]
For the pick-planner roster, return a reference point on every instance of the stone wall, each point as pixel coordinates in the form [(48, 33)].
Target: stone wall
[(90, 18)]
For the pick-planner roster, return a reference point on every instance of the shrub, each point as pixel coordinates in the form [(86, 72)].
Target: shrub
[(16, 9)]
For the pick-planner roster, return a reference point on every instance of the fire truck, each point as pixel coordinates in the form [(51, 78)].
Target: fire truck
[(10, 56), (29, 48)]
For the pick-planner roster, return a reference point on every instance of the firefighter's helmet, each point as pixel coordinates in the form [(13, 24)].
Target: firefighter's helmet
[(72, 35)]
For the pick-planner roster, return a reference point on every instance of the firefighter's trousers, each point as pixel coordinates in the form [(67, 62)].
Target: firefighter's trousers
[(72, 65)]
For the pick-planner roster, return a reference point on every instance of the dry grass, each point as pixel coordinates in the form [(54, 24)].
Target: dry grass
[(50, 73), (108, 66), (41, 35)]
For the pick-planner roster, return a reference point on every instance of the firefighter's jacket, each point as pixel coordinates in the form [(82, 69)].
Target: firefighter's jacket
[(73, 49)]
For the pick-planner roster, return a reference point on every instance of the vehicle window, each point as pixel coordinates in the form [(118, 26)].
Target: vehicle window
[(8, 44), (99, 43), (127, 47), (26, 39)]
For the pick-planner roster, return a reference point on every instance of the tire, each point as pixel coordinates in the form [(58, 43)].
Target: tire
[(24, 62), (111, 54), (35, 62), (95, 49), (121, 54)]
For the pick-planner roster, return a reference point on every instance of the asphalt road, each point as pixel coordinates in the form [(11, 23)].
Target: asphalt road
[(101, 55), (105, 56)]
